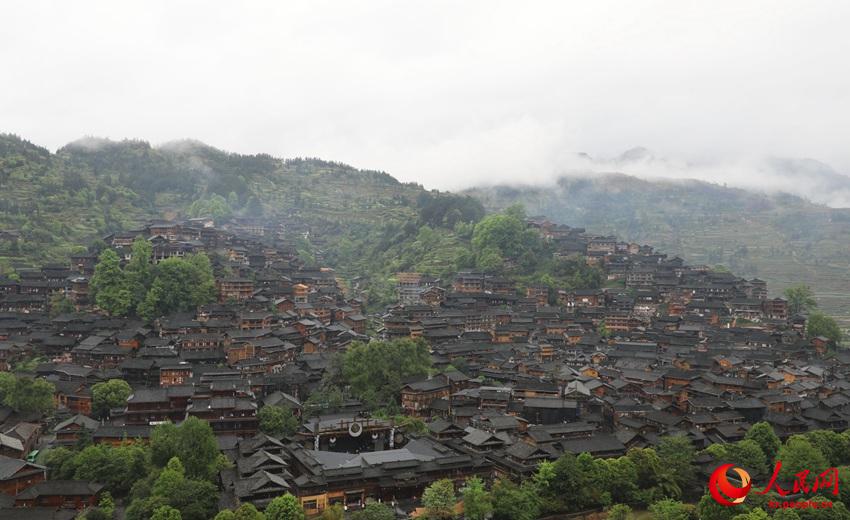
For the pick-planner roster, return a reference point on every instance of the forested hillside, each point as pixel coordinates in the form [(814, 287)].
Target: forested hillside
[(780, 238), (51, 204), (372, 226)]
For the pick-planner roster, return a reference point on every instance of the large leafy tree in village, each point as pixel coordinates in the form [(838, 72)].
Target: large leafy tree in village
[(477, 502), (764, 435), (277, 421), (677, 455), (798, 454), (109, 285), (819, 324), (175, 284), (194, 499), (25, 394), (109, 394), (439, 500), (117, 467), (515, 502), (180, 284), (285, 507), (375, 370), (139, 270), (800, 298), (193, 442), (505, 237)]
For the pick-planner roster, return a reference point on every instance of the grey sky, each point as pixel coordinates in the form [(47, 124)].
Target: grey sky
[(444, 93)]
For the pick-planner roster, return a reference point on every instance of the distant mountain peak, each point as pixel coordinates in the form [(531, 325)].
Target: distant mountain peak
[(638, 153)]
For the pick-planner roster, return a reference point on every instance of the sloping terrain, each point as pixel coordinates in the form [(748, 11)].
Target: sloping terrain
[(780, 238)]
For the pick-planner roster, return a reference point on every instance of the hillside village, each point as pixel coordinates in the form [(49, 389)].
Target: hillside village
[(519, 373)]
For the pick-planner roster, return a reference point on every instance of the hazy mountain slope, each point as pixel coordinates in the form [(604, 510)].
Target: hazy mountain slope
[(781, 238), (364, 223), (56, 202)]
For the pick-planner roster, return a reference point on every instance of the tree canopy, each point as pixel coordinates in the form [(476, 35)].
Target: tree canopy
[(375, 370), (109, 394), (140, 288)]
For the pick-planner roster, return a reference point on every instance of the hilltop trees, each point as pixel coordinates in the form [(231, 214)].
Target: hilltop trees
[(147, 290), (505, 237)]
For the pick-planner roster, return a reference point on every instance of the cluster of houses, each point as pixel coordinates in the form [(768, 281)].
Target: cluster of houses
[(521, 375)]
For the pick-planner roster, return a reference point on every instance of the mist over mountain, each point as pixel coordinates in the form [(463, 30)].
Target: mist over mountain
[(808, 178)]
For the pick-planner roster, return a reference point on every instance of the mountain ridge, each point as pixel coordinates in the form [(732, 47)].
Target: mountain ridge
[(57, 202)]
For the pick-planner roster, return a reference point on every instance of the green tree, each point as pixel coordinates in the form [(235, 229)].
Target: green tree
[(109, 286), (798, 454), (834, 446), (139, 270), (620, 512), (838, 511), (55, 460), (677, 457), (194, 499), (477, 502), (277, 421), (819, 324), (755, 514), (648, 466), (786, 514), (439, 500), (506, 236), (669, 510), (745, 453), (285, 507), (248, 512), (193, 442), (7, 384), (374, 511), (28, 395), (60, 304), (624, 479), (334, 512), (166, 513), (117, 467), (109, 394), (800, 298), (106, 504), (762, 433), (179, 284), (709, 509), (227, 514), (375, 370), (513, 502), (169, 478)]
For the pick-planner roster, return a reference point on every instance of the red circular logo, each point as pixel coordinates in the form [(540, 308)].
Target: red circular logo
[(723, 491)]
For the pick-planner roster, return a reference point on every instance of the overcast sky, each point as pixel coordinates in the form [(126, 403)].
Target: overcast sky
[(443, 93)]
